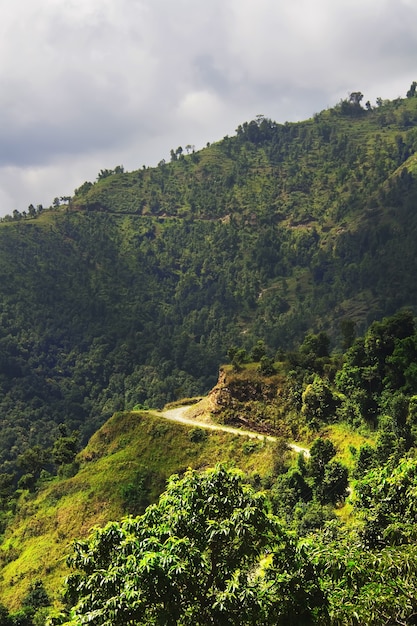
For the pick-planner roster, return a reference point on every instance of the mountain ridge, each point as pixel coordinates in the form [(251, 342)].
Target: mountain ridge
[(133, 292)]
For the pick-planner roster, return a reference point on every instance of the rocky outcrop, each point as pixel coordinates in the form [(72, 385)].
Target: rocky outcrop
[(235, 395), (238, 388)]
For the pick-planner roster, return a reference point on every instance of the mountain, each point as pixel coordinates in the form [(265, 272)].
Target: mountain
[(132, 292)]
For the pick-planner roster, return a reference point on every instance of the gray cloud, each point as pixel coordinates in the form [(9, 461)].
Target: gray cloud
[(88, 84)]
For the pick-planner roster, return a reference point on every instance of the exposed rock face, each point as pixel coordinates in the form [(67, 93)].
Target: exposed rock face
[(234, 397), (230, 390), (218, 394)]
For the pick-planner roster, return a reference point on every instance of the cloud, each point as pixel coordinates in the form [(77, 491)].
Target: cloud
[(89, 84)]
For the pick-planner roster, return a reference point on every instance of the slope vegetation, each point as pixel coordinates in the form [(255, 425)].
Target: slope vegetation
[(131, 294), (123, 469)]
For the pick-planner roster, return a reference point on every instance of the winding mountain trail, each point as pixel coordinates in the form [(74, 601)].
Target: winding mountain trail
[(178, 415)]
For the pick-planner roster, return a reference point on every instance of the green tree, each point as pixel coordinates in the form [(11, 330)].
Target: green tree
[(238, 356), (365, 460), (5, 619), (136, 493), (65, 449), (386, 496), (258, 351), (356, 97), (32, 460), (321, 452), (7, 484), (319, 404), (197, 558), (36, 596), (266, 366), (316, 345), (347, 330), (412, 91), (334, 484), (366, 586)]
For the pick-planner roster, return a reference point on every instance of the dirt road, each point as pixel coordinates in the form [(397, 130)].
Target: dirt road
[(178, 415)]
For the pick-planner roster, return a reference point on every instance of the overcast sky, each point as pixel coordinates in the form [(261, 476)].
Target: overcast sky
[(91, 84)]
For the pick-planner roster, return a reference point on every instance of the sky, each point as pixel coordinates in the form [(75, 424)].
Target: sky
[(90, 84)]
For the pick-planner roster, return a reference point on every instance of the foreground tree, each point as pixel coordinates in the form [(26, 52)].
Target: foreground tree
[(366, 586), (208, 553)]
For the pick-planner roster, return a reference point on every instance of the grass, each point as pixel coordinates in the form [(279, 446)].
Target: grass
[(63, 510), (345, 440)]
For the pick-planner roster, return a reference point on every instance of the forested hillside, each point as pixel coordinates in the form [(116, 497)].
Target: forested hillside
[(323, 536), (133, 291), (286, 252)]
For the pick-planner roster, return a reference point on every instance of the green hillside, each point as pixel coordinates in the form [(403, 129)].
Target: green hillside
[(348, 500), (286, 251), (132, 293), (123, 468)]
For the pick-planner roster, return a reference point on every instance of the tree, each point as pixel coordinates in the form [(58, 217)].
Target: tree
[(334, 485), (319, 404), (266, 366), (65, 449), (347, 329), (356, 97), (321, 451), (104, 173), (32, 460), (238, 356), (197, 557), (5, 619), (366, 586), (352, 106), (365, 461), (36, 596), (258, 351), (316, 346), (386, 496), (412, 91)]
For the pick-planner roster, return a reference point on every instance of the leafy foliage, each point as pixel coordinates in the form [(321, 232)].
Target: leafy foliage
[(196, 558), (367, 586)]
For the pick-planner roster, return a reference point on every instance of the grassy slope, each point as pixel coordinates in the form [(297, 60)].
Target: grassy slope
[(39, 538)]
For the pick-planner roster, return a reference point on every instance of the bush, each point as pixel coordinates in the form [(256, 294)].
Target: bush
[(197, 434), (136, 494), (266, 366)]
